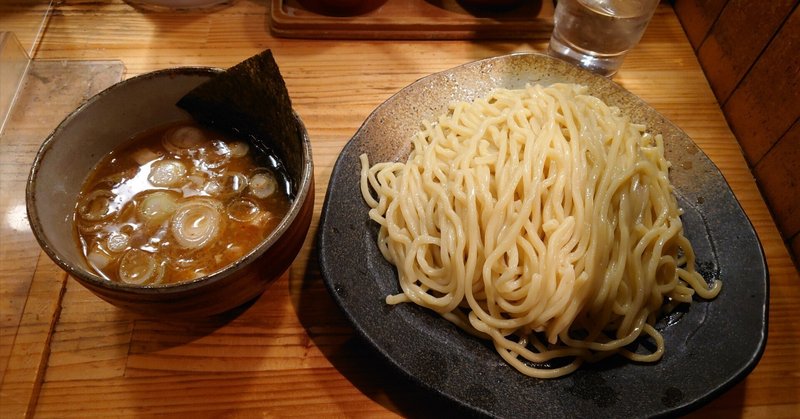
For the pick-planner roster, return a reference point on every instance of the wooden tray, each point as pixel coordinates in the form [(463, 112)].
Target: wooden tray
[(412, 19)]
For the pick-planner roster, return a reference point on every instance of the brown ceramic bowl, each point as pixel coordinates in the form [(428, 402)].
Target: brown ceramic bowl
[(107, 121)]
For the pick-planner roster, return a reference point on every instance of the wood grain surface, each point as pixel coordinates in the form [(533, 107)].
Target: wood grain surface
[(66, 353), (766, 103), (698, 17), (731, 53), (747, 54)]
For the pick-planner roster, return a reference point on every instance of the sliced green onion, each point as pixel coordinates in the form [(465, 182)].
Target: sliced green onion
[(157, 206), (212, 157), (238, 149), (167, 173), (193, 186), (139, 267), (243, 210), (228, 185), (180, 139), (263, 184), (97, 205), (213, 187), (196, 223), (117, 241), (234, 182)]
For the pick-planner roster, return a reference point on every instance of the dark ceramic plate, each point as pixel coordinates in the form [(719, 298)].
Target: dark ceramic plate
[(711, 347)]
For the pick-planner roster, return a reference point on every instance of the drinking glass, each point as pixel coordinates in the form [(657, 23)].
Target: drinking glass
[(597, 34)]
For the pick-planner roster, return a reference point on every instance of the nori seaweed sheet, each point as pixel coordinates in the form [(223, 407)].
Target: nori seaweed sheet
[(250, 100)]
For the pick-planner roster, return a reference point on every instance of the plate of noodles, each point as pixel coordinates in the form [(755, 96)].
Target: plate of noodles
[(526, 238)]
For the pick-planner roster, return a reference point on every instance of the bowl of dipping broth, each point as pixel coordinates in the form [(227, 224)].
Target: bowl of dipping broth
[(157, 214)]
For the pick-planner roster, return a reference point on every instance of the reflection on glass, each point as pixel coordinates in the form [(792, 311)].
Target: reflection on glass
[(26, 19), (21, 25)]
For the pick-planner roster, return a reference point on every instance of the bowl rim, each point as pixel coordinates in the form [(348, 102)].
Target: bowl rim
[(305, 187)]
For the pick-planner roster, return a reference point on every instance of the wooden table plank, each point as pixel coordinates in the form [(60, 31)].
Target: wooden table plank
[(726, 55), (28, 357), (292, 352), (26, 19), (29, 290)]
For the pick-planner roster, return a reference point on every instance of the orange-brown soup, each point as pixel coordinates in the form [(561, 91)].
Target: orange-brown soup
[(178, 203)]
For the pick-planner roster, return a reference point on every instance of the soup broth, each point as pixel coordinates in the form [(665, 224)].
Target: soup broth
[(177, 203)]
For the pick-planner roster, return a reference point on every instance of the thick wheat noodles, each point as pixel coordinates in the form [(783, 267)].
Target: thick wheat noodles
[(540, 219)]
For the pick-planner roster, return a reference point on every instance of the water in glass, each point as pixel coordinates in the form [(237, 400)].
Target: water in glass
[(596, 34)]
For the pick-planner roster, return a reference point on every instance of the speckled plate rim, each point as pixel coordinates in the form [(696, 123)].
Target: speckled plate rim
[(698, 366)]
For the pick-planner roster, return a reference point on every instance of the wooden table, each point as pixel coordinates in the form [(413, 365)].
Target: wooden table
[(64, 352)]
